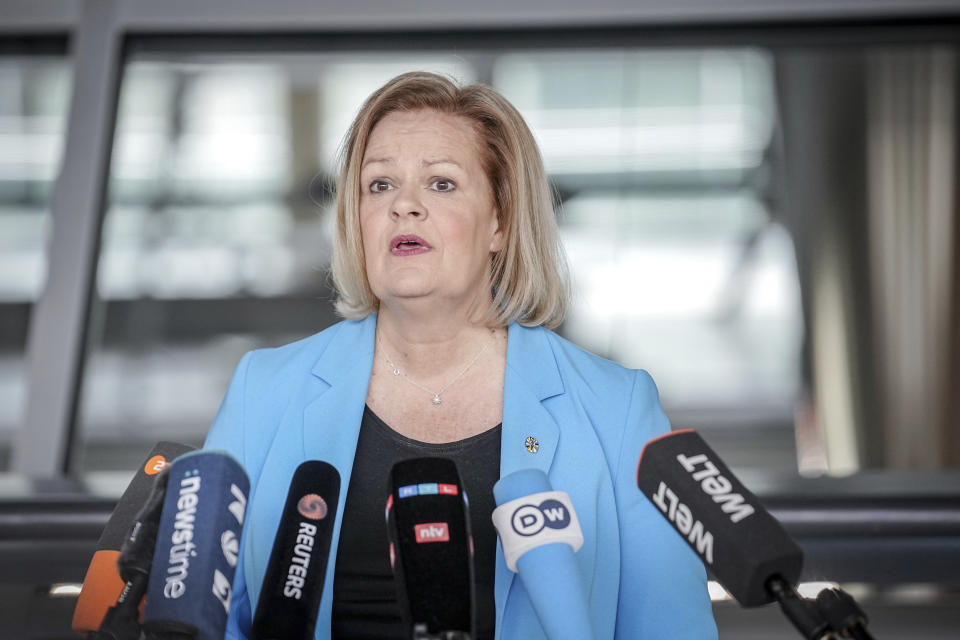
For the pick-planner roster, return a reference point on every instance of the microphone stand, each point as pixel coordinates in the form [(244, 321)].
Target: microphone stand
[(834, 614), (804, 615), (420, 632), (122, 620), (843, 614)]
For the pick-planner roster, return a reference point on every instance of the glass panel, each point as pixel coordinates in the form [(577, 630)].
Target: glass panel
[(679, 266), (216, 237), (34, 94)]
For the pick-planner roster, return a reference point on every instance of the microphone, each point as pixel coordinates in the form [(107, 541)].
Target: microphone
[(431, 549), (744, 546), (122, 621), (102, 584), (293, 584), (539, 533), (198, 544)]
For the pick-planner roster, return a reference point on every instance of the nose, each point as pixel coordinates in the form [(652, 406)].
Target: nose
[(407, 203)]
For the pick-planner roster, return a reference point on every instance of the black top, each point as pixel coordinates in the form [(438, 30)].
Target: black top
[(364, 596)]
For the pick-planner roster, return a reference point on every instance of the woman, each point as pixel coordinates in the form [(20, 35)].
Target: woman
[(449, 275)]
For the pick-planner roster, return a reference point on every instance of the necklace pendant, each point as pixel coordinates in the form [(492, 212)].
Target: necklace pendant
[(436, 400), (396, 371)]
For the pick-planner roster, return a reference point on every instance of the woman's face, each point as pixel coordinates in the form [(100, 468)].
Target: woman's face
[(427, 216)]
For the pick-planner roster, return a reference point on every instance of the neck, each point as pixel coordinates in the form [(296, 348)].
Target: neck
[(428, 343)]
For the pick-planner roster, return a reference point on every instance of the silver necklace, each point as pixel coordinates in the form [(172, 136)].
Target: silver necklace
[(436, 394)]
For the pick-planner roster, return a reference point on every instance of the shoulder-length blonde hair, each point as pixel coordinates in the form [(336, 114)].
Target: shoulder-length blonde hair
[(529, 276)]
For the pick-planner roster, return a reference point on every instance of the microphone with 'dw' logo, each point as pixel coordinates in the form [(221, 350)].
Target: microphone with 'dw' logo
[(539, 534)]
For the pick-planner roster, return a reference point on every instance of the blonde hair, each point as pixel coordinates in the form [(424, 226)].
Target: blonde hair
[(529, 277)]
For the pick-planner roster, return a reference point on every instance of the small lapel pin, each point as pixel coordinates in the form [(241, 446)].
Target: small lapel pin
[(532, 444)]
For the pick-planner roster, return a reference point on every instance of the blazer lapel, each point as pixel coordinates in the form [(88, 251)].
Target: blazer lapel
[(331, 422), (530, 435)]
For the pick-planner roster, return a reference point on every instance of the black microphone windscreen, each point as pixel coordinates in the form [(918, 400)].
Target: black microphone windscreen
[(137, 492), (431, 549), (737, 539), (198, 547), (102, 584), (293, 584), (136, 553)]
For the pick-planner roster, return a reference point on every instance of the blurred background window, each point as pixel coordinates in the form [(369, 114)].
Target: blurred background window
[(33, 105), (679, 264), (216, 237)]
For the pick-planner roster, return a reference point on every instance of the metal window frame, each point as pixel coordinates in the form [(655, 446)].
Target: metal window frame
[(99, 30)]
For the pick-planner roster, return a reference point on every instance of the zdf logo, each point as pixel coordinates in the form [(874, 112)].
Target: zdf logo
[(155, 465), (529, 520)]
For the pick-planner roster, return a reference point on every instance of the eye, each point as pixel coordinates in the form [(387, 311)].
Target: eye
[(379, 186), (443, 185)]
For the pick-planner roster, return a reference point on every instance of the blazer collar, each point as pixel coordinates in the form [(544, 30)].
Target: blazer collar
[(529, 435), (531, 377), (332, 420)]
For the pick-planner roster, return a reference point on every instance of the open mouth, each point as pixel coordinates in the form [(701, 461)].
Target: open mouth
[(407, 244)]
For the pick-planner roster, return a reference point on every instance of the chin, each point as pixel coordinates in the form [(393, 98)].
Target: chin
[(401, 290)]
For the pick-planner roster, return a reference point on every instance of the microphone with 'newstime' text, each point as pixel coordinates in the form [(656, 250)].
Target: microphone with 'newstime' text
[(539, 533), (431, 549), (293, 584), (198, 547), (103, 587)]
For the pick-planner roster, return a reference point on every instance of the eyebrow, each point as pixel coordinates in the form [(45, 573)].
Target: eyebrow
[(432, 161), (429, 162), (376, 161)]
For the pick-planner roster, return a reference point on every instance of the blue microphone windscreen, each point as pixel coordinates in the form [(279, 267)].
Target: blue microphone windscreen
[(519, 484), (548, 570), (198, 544)]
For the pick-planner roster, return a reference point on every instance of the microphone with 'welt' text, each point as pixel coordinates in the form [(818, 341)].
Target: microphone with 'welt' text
[(104, 591), (740, 542), (540, 533), (431, 549), (293, 584), (198, 547)]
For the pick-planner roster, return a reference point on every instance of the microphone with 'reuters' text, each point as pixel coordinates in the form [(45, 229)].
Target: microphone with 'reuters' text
[(539, 533), (102, 585), (293, 584), (431, 549), (198, 547)]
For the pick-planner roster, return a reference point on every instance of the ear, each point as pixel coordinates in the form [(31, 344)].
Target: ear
[(497, 239)]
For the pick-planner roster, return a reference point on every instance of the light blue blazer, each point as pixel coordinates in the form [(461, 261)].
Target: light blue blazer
[(305, 400)]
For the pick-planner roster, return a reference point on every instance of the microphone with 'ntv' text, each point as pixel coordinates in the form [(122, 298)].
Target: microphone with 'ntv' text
[(431, 549)]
